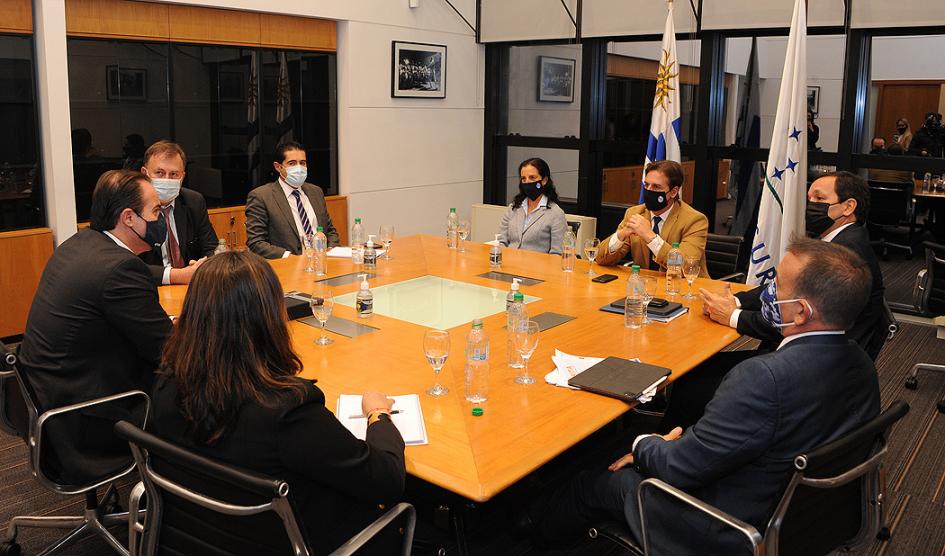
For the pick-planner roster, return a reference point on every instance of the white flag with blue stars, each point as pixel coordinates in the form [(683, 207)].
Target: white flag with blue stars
[(663, 141), (784, 193)]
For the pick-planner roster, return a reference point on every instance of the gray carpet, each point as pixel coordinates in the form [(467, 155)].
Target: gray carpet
[(915, 473)]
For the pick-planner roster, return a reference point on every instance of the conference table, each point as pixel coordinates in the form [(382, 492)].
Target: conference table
[(521, 427)]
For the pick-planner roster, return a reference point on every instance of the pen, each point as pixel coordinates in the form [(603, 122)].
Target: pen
[(394, 412)]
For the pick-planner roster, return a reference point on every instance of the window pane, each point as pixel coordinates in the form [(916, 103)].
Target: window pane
[(545, 90), (21, 187)]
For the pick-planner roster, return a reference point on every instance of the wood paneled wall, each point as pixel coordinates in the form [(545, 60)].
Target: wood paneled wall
[(16, 16), (23, 256), (128, 19), (622, 184)]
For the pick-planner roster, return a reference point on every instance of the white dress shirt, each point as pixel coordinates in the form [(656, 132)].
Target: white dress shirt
[(306, 204), (116, 240), (657, 242)]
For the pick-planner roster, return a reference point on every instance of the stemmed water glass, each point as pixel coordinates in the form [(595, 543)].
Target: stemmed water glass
[(649, 292), (525, 340), (590, 253), (462, 230), (386, 235), (436, 347), (308, 249), (322, 302), (692, 266)]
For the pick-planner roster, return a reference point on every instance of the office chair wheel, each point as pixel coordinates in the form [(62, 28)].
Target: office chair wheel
[(941, 406), (9, 548), (883, 534), (912, 383)]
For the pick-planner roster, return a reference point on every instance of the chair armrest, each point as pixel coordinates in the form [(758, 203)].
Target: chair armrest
[(750, 533), (135, 526), (920, 291), (369, 532)]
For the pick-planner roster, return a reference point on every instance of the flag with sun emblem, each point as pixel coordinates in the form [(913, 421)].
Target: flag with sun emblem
[(663, 142), (784, 194)]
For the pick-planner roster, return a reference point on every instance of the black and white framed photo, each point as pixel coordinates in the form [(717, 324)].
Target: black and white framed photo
[(555, 79), (813, 99), (126, 83), (419, 70)]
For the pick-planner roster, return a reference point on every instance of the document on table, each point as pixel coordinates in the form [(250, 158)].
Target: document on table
[(345, 252), (409, 420), (568, 366)]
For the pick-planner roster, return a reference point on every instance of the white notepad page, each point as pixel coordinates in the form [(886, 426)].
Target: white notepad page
[(409, 421)]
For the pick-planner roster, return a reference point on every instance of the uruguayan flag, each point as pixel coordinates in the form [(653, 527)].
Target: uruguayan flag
[(784, 197), (663, 142)]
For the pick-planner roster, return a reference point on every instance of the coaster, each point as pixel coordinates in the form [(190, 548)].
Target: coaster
[(506, 277), (550, 320), (344, 327)]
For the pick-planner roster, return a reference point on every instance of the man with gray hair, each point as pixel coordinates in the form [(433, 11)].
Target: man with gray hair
[(817, 386)]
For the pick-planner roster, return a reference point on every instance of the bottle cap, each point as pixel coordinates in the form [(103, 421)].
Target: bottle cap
[(319, 229), (357, 220), (635, 269), (477, 411), (452, 210), (519, 296), (675, 244), (477, 323)]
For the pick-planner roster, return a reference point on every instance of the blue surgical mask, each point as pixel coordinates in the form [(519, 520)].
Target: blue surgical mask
[(295, 176), (770, 310)]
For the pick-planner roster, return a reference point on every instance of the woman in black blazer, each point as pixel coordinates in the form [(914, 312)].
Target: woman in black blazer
[(227, 389)]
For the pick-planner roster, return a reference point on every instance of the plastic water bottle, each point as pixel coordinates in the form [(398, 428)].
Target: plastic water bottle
[(477, 363), (515, 314), (495, 255), (370, 254), (451, 224), (321, 252), (927, 182), (221, 247), (365, 299), (568, 245), (633, 309), (674, 272), (357, 242)]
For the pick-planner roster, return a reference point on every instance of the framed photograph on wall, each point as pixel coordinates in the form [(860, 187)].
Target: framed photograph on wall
[(813, 99), (126, 83), (418, 70), (555, 79)]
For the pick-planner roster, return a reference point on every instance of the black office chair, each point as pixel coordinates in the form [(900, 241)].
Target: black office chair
[(46, 467), (12, 409), (890, 215), (195, 502), (929, 299), (835, 499), (721, 257)]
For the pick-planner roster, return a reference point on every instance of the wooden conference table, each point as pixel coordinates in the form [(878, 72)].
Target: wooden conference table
[(522, 427)]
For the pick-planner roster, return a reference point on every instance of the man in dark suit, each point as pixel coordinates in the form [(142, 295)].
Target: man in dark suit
[(280, 214), (95, 327), (815, 387), (190, 236)]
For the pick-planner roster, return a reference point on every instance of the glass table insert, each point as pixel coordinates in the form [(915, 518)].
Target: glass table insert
[(435, 302)]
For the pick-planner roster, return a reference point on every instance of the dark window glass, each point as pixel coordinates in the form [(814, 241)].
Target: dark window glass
[(21, 186)]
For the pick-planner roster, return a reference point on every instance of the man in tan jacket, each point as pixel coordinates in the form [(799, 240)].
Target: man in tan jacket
[(648, 231)]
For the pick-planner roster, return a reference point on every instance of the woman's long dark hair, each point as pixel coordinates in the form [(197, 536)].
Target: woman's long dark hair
[(545, 172), (230, 345)]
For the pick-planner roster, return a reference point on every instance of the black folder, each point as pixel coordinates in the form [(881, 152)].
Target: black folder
[(620, 378), (664, 311)]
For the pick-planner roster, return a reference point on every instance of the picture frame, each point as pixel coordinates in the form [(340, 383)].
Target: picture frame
[(556, 79), (126, 84), (813, 99), (418, 70)]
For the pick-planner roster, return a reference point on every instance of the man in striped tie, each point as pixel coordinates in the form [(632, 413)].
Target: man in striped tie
[(280, 214)]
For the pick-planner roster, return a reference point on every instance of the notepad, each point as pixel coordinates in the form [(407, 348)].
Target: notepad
[(409, 421)]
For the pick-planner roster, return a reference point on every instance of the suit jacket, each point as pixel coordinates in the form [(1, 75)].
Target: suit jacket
[(195, 235), (335, 479), (739, 455), (95, 328), (871, 326), (270, 225), (684, 224), (544, 233)]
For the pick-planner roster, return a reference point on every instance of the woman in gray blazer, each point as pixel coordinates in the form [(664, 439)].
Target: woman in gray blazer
[(534, 220)]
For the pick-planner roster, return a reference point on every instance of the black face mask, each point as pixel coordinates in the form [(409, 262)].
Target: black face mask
[(531, 189), (816, 219), (655, 200), (155, 231)]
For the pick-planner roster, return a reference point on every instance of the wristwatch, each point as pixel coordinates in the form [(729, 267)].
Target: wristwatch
[(377, 415)]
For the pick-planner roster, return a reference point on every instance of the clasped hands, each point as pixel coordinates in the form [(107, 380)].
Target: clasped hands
[(718, 306), (636, 225), (628, 459)]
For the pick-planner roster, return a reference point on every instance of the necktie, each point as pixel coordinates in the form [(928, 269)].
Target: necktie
[(656, 230), (173, 248), (303, 216)]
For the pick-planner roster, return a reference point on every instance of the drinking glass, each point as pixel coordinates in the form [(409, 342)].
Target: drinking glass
[(386, 235), (525, 340), (692, 266), (436, 347), (462, 229), (322, 302), (649, 292), (308, 249), (590, 253)]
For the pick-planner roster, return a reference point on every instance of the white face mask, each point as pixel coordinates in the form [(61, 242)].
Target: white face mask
[(295, 176), (167, 189)]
